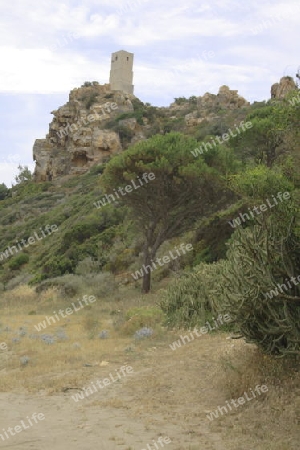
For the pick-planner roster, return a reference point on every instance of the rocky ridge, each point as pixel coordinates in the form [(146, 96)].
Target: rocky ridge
[(77, 137), (97, 122)]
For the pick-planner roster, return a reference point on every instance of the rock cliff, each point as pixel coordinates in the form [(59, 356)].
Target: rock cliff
[(98, 122), (281, 89), (77, 137)]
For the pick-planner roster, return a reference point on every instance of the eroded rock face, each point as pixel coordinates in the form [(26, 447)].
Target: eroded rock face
[(226, 98), (77, 137), (82, 132), (281, 89)]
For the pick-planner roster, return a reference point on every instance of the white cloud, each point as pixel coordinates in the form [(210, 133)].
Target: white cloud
[(52, 47), (42, 71)]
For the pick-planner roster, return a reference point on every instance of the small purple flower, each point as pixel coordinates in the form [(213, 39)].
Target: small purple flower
[(48, 339), (144, 332)]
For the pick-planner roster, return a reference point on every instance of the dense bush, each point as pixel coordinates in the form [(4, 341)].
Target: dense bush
[(69, 285), (191, 299), (103, 285), (257, 291), (180, 100), (3, 191), (255, 284), (19, 260)]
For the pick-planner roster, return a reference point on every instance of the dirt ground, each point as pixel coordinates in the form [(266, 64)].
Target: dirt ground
[(168, 394)]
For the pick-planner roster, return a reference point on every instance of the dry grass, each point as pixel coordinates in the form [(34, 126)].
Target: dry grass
[(175, 387), (270, 422), (66, 362), (244, 369)]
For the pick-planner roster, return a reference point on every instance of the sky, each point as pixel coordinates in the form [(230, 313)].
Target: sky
[(48, 48)]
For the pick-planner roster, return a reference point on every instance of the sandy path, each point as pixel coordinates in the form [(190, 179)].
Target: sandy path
[(168, 394)]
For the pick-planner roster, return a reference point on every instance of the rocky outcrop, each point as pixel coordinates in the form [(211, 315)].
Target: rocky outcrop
[(97, 122), (192, 119), (226, 98), (78, 136), (281, 89), (206, 106)]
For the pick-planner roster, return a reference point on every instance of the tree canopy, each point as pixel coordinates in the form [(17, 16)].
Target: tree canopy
[(184, 189)]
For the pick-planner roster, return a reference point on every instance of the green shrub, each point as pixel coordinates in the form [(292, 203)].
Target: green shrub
[(125, 135), (91, 100), (18, 261), (3, 191), (137, 104), (102, 284), (180, 100), (57, 266), (260, 260), (87, 266), (193, 100), (190, 300), (68, 285), (97, 169)]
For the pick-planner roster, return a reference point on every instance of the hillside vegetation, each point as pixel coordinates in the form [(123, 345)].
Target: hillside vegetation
[(211, 179)]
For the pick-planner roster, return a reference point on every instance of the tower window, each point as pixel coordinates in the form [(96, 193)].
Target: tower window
[(116, 58), (127, 58)]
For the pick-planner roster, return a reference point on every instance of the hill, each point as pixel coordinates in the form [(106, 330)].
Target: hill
[(65, 187)]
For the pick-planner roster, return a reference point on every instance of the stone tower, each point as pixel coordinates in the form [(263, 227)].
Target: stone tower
[(121, 74)]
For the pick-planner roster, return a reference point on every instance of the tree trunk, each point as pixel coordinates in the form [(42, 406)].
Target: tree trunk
[(146, 283)]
